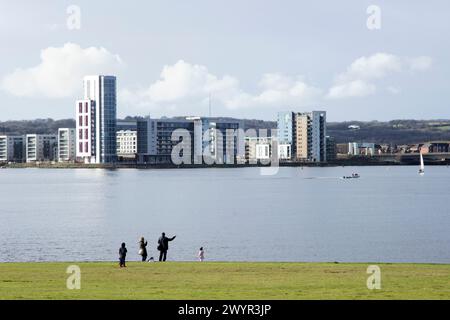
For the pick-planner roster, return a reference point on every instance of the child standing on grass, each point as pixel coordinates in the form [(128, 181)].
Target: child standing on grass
[(122, 255), (201, 255)]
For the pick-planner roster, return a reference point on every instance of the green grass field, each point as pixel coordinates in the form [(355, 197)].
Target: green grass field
[(217, 280)]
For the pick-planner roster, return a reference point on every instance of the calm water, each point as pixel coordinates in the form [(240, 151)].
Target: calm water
[(390, 214)]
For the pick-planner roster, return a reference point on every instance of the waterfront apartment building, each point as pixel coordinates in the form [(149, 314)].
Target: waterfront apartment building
[(310, 136), (12, 148), (86, 133), (258, 149), (41, 147), (286, 134), (331, 148), (66, 144), (154, 138), (302, 136), (96, 120), (216, 139), (126, 143)]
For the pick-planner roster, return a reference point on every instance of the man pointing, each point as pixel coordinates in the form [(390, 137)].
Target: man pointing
[(163, 246)]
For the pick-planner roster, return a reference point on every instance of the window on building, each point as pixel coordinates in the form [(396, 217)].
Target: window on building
[(80, 107), (86, 107), (80, 146), (86, 133), (80, 120), (87, 120), (80, 134), (86, 146)]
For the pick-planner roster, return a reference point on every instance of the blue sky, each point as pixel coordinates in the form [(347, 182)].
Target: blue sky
[(254, 58)]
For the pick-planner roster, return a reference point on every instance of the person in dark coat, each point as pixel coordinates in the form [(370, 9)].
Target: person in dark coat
[(163, 246), (122, 255), (143, 249)]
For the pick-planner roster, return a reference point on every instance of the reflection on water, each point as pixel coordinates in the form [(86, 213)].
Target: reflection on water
[(390, 214)]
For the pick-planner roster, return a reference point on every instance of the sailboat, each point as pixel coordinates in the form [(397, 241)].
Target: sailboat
[(422, 165)]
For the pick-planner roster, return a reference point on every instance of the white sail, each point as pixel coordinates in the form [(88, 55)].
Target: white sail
[(422, 165)]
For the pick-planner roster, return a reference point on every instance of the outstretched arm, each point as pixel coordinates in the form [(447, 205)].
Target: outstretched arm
[(170, 239)]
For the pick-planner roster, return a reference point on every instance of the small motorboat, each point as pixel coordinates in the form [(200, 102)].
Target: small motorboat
[(353, 176)]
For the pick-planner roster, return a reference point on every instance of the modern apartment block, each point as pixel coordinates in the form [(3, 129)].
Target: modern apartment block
[(66, 144), (126, 143), (331, 148), (218, 140), (12, 148), (302, 136), (154, 138), (286, 134), (96, 120), (311, 136), (41, 147), (258, 149), (86, 136)]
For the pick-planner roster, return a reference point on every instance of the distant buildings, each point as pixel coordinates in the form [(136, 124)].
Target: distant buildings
[(41, 147), (206, 138), (331, 148), (365, 148), (66, 144), (436, 147), (361, 149), (302, 136), (96, 120), (258, 149), (12, 148), (126, 144)]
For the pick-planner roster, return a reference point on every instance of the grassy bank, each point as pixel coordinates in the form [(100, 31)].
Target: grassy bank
[(180, 280)]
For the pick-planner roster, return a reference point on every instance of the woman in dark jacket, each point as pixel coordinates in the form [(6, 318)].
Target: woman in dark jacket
[(143, 249)]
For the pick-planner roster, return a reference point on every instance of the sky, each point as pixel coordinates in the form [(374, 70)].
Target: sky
[(355, 59)]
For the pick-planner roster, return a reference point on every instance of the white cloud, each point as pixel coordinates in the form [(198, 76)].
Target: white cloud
[(60, 71), (420, 63), (355, 88), (357, 80), (183, 85)]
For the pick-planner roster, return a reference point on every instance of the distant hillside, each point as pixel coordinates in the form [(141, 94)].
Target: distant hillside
[(392, 132), (39, 126)]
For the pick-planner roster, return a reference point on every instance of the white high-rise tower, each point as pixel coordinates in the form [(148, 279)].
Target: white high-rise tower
[(96, 120)]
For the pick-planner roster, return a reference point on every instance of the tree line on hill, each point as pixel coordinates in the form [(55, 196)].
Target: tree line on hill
[(395, 132)]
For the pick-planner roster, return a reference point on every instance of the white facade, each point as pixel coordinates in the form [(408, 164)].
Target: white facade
[(12, 148), (66, 144), (100, 91), (4, 152), (126, 143), (258, 148), (284, 151), (86, 131), (355, 149), (41, 147), (263, 151)]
